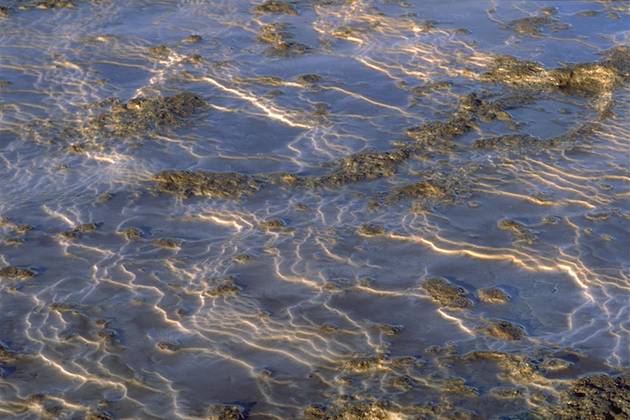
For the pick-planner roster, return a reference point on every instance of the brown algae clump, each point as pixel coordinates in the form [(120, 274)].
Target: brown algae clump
[(587, 78), (160, 52), (47, 4), (80, 230), (226, 412), (308, 79), (193, 39), (424, 189), (350, 408), (18, 273), (143, 114), (6, 354), (363, 364), (493, 295), (435, 133), (520, 231), (515, 367), (224, 287), (618, 58), (508, 142), (273, 225), (371, 229), (280, 41), (533, 25), (276, 7), (504, 330), (167, 346), (131, 234), (206, 184), (365, 166), (471, 108), (446, 294), (597, 397), (166, 243)]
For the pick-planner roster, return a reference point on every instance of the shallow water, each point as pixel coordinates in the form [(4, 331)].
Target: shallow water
[(309, 290)]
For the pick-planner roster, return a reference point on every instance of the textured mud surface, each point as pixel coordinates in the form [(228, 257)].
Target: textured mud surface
[(314, 209)]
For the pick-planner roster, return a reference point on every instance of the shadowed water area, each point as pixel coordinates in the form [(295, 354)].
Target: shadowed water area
[(336, 209)]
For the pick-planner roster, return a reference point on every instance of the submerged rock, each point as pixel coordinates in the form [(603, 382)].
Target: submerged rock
[(143, 114), (18, 273), (206, 184), (446, 294)]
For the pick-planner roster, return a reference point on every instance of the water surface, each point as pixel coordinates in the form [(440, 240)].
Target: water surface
[(309, 292)]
